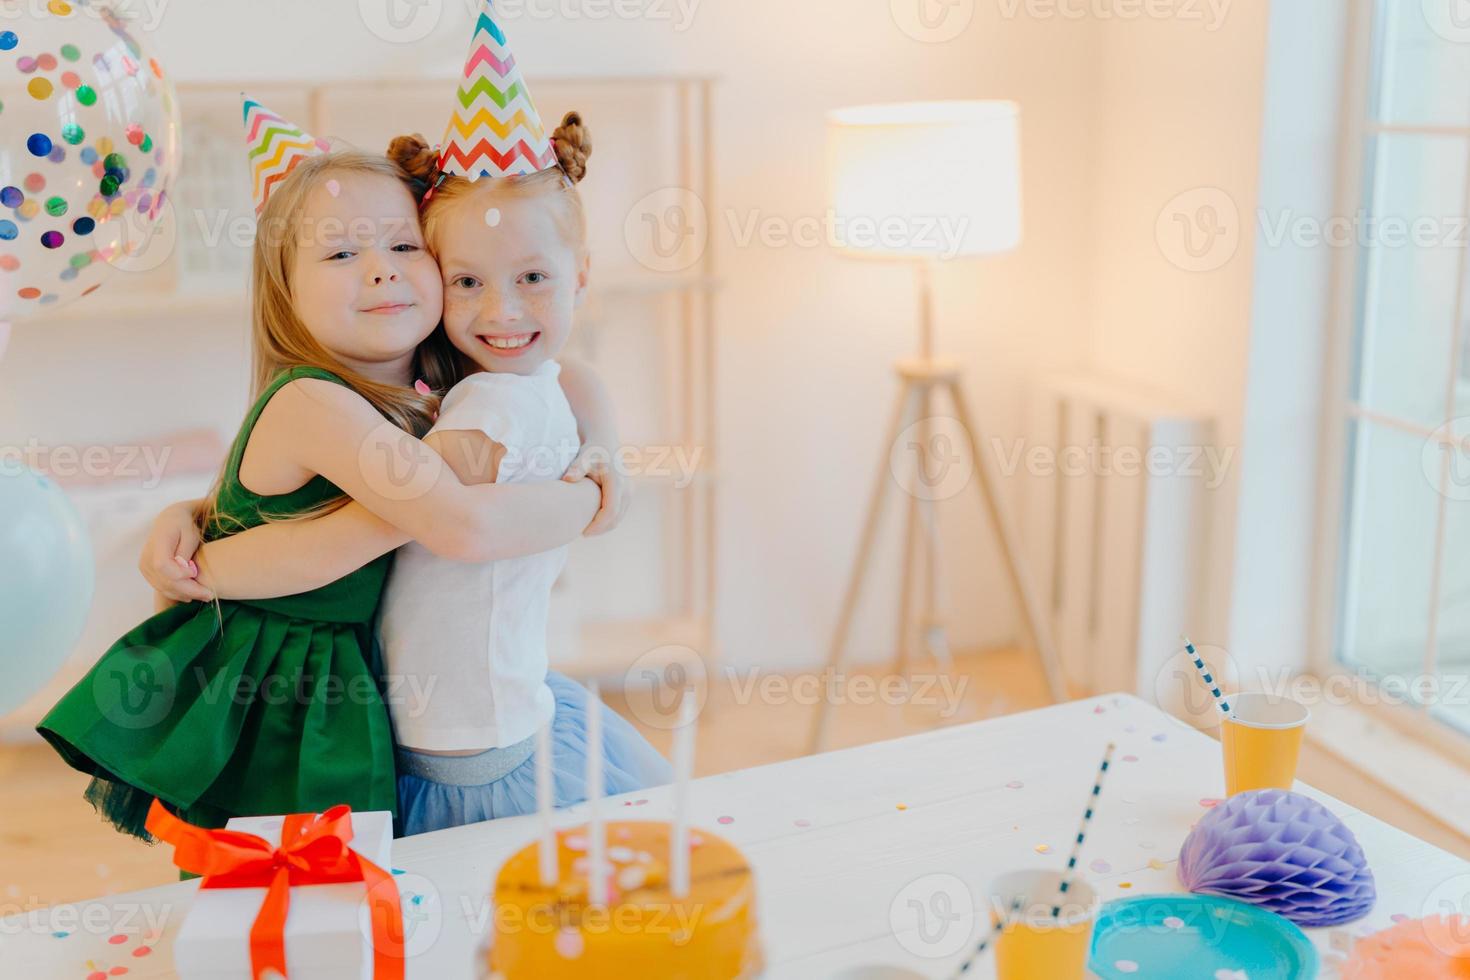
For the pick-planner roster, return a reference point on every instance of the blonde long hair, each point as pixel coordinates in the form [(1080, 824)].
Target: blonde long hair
[(279, 340)]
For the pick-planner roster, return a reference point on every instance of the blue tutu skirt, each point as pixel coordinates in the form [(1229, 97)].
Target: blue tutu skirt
[(629, 763)]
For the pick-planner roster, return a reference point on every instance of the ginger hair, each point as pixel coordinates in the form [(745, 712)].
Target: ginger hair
[(572, 143)]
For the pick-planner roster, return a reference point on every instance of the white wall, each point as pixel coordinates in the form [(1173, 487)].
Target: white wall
[(806, 338)]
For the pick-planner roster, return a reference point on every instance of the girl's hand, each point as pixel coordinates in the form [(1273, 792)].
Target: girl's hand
[(592, 464), (167, 558)]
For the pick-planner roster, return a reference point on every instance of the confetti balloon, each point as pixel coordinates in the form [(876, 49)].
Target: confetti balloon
[(46, 580), (89, 150)]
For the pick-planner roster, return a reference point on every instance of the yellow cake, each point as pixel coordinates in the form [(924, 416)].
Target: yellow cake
[(643, 931)]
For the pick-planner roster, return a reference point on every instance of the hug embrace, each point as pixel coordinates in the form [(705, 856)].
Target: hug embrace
[(396, 506)]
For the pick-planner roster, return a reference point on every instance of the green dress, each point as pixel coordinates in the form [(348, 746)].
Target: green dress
[(239, 708)]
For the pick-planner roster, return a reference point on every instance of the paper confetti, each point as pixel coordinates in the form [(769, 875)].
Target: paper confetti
[(1130, 758), (1156, 864), (1161, 736), (569, 943), (1014, 784), (1125, 966), (1210, 802), (802, 823), (1100, 866), (1173, 922), (1043, 848), (725, 820)]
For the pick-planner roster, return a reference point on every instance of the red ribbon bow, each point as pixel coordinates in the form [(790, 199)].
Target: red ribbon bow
[(313, 851)]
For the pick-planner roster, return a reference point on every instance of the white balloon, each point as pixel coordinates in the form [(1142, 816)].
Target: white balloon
[(46, 581)]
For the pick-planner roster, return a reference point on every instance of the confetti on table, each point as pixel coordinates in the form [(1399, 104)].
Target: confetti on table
[(1100, 866), (1125, 884), (1043, 848), (1014, 784), (117, 939), (802, 823), (1399, 917), (1156, 864), (1173, 922), (903, 806), (61, 934), (725, 820), (639, 802), (1161, 736), (1130, 758), (1099, 709), (1125, 966), (397, 871), (1209, 802), (142, 951)]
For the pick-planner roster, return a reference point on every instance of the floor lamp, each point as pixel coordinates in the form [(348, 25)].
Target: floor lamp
[(921, 183)]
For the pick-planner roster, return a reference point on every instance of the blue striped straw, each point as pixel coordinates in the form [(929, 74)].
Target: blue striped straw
[(1199, 665), (1071, 871), (990, 937), (1067, 875)]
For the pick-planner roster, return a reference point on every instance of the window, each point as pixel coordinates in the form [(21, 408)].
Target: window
[(1403, 585)]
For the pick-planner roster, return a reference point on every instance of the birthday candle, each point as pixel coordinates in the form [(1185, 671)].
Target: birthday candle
[(596, 838), (544, 805), (683, 770)]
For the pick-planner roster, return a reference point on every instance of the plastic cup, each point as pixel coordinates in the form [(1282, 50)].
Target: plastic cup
[(1262, 740), (1034, 944)]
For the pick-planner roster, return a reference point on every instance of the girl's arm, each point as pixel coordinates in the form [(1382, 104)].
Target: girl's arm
[(290, 557), (166, 559), (597, 425), (436, 492)]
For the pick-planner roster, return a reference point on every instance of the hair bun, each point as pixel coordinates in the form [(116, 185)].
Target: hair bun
[(573, 144), (416, 158)]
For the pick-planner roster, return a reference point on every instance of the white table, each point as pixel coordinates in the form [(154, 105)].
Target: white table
[(838, 841)]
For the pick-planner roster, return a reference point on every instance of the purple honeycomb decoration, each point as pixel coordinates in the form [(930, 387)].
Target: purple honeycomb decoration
[(1281, 852)]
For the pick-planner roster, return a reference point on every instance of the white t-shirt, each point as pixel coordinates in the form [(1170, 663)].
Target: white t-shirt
[(464, 643)]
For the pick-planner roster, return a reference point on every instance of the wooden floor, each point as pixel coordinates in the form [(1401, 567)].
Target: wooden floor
[(53, 848)]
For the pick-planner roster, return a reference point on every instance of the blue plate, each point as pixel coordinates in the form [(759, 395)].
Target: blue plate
[(1197, 936)]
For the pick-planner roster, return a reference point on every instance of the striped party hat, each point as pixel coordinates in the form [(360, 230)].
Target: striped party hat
[(496, 130), (275, 147)]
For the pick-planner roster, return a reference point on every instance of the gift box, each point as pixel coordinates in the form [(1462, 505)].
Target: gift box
[(307, 896)]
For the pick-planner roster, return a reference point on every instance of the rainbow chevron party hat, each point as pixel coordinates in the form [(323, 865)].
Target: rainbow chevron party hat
[(275, 147), (496, 130)]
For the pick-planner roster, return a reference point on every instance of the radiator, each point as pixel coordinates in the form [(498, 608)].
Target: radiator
[(1114, 520)]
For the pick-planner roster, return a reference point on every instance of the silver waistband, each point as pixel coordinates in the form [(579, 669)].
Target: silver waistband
[(465, 770)]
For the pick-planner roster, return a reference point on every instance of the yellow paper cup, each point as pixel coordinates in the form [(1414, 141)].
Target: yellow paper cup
[(1034, 944), (1261, 740)]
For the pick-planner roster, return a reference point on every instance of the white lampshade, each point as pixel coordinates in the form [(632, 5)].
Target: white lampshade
[(918, 179)]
